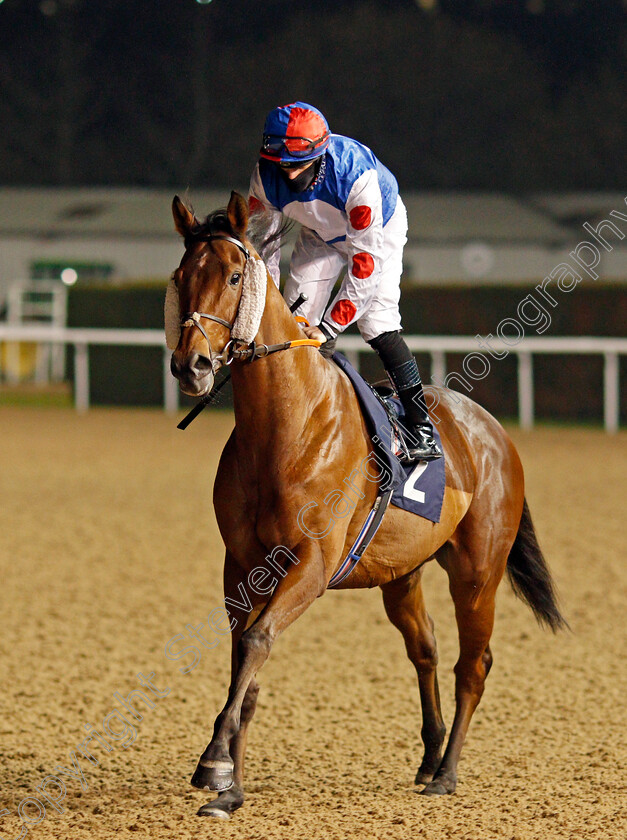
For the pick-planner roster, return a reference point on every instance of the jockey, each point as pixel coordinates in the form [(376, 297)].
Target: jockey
[(352, 218)]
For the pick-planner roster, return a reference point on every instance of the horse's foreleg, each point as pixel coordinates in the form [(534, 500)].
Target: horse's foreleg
[(474, 611), (405, 607), (300, 587), (233, 798)]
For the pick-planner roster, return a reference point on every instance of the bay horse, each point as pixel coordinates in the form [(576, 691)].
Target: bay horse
[(298, 434)]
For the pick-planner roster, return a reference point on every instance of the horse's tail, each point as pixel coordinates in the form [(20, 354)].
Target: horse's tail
[(530, 577)]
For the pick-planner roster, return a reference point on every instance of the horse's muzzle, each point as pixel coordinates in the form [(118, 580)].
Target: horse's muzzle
[(194, 373)]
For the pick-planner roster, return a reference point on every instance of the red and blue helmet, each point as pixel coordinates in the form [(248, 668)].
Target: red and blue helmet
[(294, 133)]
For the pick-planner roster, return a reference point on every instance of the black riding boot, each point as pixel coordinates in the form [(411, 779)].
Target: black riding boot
[(402, 369), (421, 442)]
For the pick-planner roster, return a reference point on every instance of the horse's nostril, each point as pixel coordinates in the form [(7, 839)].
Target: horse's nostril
[(201, 365)]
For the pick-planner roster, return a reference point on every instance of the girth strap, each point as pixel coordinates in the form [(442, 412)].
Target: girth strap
[(364, 538)]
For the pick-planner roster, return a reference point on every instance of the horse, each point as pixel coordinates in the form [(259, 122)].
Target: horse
[(299, 433)]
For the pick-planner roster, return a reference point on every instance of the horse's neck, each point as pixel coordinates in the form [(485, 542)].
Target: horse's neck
[(274, 396)]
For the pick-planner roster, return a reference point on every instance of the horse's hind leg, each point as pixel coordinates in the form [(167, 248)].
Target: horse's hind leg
[(404, 605), (473, 590)]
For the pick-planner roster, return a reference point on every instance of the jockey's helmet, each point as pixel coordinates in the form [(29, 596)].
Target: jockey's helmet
[(294, 133)]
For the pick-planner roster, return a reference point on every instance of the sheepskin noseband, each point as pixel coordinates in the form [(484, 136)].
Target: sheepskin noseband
[(249, 313), (172, 316), (252, 302)]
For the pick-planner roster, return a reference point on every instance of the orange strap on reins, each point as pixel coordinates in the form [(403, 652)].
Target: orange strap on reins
[(305, 342)]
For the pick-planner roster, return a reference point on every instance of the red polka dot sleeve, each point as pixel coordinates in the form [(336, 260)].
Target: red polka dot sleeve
[(364, 240)]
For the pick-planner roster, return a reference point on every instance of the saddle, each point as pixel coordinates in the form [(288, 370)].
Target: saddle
[(417, 487)]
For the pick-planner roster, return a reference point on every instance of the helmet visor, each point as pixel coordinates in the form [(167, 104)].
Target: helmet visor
[(275, 145)]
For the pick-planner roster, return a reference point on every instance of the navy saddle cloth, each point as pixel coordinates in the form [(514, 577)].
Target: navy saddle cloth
[(419, 487)]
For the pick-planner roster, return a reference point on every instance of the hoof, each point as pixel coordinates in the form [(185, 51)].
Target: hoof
[(423, 777), (222, 807), (211, 810), (213, 775), (437, 787)]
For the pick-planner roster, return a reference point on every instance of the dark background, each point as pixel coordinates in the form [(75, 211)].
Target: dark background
[(475, 94), (512, 95)]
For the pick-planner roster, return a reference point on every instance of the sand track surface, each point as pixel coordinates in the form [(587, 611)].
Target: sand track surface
[(110, 548)]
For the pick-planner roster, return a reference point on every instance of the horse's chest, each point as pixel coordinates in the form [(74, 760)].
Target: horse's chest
[(266, 514)]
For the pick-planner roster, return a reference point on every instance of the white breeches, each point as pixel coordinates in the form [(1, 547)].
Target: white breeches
[(315, 267)]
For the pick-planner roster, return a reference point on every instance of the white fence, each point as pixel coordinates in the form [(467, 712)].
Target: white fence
[(82, 338), (437, 346), (40, 303)]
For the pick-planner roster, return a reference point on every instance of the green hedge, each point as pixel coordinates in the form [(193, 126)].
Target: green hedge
[(566, 387), (122, 375)]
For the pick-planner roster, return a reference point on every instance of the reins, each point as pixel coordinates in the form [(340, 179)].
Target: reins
[(250, 352)]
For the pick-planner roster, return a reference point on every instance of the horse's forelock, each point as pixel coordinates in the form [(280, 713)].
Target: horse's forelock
[(216, 222)]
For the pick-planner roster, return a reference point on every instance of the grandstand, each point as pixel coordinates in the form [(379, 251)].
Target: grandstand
[(119, 235)]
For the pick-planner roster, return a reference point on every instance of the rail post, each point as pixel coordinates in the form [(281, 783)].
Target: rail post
[(611, 403), (81, 377), (525, 389)]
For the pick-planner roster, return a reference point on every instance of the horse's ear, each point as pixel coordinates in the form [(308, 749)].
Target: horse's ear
[(237, 213), (184, 219)]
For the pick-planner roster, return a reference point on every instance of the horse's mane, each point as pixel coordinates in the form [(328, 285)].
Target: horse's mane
[(263, 238)]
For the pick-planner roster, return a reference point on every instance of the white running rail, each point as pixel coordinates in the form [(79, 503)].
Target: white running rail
[(437, 346)]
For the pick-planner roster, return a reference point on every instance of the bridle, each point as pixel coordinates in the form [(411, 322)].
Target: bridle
[(231, 352), (192, 319)]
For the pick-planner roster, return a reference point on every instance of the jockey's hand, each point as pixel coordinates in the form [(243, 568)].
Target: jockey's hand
[(315, 333)]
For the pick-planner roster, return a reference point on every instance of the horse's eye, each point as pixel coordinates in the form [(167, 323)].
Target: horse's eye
[(235, 278)]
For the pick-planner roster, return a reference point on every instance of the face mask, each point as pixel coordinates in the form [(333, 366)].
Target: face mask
[(304, 180)]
